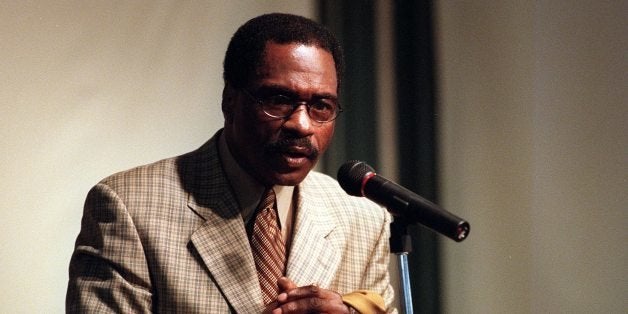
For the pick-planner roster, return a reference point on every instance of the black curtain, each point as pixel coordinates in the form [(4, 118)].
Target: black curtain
[(355, 136), (416, 105), (353, 23)]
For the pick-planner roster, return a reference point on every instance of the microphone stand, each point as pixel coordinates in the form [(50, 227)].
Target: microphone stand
[(401, 245)]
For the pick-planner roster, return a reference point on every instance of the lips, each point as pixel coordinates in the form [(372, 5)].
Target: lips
[(297, 151)]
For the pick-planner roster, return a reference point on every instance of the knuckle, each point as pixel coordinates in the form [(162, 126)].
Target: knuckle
[(316, 303), (289, 307)]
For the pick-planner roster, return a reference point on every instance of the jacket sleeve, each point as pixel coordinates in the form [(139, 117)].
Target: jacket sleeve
[(108, 269), (377, 277)]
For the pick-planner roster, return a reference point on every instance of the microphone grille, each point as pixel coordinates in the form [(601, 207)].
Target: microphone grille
[(350, 176)]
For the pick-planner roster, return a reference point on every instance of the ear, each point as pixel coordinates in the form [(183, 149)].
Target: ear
[(228, 99)]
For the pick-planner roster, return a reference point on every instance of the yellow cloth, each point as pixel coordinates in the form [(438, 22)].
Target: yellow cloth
[(365, 302)]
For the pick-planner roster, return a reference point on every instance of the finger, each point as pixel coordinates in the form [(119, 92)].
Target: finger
[(313, 293), (314, 305), (285, 284), (311, 299), (272, 308), (310, 291)]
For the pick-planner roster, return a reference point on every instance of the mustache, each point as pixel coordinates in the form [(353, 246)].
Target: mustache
[(285, 144)]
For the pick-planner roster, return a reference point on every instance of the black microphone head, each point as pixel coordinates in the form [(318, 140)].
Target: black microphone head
[(350, 176)]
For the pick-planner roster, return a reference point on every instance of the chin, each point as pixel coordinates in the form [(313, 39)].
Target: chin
[(290, 179), (282, 174)]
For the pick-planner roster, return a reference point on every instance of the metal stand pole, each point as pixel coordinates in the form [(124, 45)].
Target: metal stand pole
[(401, 245), (406, 305)]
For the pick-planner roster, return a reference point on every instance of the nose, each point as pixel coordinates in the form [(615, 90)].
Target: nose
[(299, 121)]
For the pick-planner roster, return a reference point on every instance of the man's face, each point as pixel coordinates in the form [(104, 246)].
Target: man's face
[(281, 151)]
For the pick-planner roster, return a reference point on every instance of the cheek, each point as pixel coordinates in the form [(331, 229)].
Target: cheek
[(243, 126), (256, 130), (324, 136)]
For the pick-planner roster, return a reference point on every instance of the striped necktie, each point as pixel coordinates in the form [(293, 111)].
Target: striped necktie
[(269, 251)]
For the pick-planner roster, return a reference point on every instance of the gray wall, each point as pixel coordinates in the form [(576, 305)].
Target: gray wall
[(89, 88), (534, 151)]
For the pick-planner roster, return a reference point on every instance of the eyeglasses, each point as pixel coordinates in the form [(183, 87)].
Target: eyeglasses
[(280, 106)]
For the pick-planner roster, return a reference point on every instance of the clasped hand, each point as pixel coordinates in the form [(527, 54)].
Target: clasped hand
[(307, 299)]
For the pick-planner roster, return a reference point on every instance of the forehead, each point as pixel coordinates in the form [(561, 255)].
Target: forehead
[(296, 65)]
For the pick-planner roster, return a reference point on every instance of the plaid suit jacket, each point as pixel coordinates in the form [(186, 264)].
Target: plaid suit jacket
[(169, 238)]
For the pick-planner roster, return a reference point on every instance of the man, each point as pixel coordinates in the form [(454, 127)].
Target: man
[(190, 234)]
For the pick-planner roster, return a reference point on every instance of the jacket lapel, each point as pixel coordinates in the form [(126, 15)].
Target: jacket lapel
[(312, 258), (224, 248), (221, 241)]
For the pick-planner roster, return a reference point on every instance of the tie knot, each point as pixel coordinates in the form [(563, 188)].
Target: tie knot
[(268, 199)]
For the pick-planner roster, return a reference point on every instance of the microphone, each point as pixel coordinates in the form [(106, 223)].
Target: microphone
[(359, 179)]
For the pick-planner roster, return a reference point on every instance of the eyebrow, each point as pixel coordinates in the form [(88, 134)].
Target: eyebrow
[(273, 89)]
